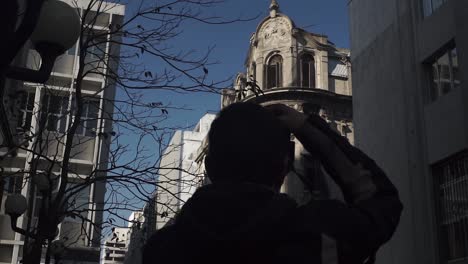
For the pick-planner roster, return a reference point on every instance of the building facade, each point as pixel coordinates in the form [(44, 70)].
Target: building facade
[(178, 176), (142, 227), (288, 65), (410, 68), (125, 245), (116, 246), (44, 110)]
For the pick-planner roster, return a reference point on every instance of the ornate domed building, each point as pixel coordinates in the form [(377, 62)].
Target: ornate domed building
[(286, 64)]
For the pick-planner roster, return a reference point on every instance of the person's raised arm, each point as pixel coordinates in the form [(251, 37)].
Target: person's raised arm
[(374, 207)]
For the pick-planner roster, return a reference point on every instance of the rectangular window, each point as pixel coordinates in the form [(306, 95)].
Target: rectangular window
[(96, 47), (25, 111), (12, 184), (54, 112), (451, 180), (79, 202), (429, 6), (94, 18), (38, 198), (6, 253), (88, 125), (444, 73)]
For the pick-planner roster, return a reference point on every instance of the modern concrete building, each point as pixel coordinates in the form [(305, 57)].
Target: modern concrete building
[(125, 245), (303, 70), (178, 178), (50, 104), (116, 246), (141, 228), (410, 70)]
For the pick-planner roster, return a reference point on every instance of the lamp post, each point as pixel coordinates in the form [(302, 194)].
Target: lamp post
[(49, 218), (57, 30), (15, 206), (52, 26)]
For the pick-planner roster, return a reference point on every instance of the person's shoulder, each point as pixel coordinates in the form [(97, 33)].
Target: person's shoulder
[(160, 243), (165, 233)]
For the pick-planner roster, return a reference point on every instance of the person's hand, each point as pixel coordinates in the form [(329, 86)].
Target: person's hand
[(291, 118)]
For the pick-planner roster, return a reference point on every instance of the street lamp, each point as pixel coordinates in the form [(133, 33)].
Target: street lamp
[(53, 27), (56, 31), (15, 206)]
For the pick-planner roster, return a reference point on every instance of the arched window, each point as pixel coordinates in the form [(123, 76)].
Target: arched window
[(254, 71), (275, 72), (307, 71)]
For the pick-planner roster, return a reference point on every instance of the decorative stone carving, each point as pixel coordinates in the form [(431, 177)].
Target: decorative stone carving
[(275, 31)]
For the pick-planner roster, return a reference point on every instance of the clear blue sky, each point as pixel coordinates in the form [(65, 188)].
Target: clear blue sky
[(231, 42), (328, 17)]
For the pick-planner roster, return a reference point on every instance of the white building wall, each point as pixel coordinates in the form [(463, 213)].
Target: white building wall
[(89, 152), (116, 246), (178, 179)]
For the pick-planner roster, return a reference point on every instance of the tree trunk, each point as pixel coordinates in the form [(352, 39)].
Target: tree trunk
[(47, 256), (35, 253)]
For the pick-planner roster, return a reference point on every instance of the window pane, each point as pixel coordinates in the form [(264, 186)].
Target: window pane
[(275, 60), (52, 122), (444, 74), (27, 122), (55, 109), (97, 19), (21, 119), (54, 105), (26, 108), (93, 109), (435, 90), (30, 104), (274, 71), (23, 100), (271, 76), (96, 49), (254, 71), (305, 74), (308, 71), (91, 126), (455, 70), (13, 184), (453, 208), (62, 124), (64, 105), (79, 201), (80, 129), (312, 74)]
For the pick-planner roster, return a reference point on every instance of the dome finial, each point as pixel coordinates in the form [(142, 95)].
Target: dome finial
[(274, 5), (274, 8)]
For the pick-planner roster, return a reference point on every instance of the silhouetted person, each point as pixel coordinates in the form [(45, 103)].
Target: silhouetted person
[(242, 218)]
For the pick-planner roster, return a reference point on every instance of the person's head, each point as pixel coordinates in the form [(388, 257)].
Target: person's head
[(247, 143)]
